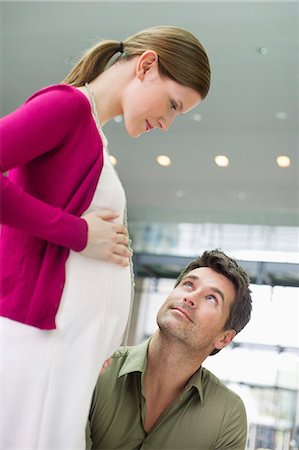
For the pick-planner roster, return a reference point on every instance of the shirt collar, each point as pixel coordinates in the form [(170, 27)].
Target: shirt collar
[(196, 381), (136, 359)]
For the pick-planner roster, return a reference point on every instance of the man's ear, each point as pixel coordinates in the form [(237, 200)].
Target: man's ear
[(225, 338), (147, 62)]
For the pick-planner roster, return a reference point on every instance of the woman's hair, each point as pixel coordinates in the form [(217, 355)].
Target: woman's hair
[(181, 57), (218, 261)]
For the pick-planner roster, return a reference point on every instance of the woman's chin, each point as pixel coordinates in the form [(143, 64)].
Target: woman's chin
[(134, 133)]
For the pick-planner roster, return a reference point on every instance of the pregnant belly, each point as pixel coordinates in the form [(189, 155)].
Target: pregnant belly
[(96, 299)]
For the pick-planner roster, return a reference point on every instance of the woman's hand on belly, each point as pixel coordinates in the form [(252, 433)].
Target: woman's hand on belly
[(106, 240)]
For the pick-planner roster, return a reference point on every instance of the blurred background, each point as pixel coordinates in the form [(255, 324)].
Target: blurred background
[(229, 178)]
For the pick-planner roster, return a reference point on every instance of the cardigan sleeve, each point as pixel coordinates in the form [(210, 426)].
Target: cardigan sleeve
[(34, 129)]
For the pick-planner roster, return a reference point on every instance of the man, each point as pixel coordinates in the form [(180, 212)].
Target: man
[(157, 395)]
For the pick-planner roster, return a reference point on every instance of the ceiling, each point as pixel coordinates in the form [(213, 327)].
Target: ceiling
[(259, 272), (40, 40)]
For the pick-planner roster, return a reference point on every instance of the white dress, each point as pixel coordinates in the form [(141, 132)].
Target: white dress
[(48, 377)]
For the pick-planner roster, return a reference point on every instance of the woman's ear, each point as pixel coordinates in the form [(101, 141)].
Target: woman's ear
[(226, 337), (147, 63)]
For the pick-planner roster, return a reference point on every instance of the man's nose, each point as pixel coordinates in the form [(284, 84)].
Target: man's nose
[(191, 300)]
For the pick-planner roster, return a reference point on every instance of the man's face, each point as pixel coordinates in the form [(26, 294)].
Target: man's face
[(197, 309)]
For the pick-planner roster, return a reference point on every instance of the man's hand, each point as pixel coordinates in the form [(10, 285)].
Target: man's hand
[(105, 365)]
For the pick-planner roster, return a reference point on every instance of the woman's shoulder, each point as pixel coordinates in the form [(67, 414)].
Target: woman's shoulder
[(58, 101), (58, 89), (60, 95)]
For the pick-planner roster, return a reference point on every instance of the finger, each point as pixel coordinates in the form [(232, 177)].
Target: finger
[(108, 362), (122, 250), (105, 365), (122, 239), (119, 228), (120, 260), (107, 214)]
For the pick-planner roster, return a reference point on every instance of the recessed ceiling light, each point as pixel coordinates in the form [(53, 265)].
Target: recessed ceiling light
[(283, 161), (113, 160), (163, 160), (221, 160), (118, 119), (262, 50), (241, 195), (179, 193), (281, 115), (197, 117)]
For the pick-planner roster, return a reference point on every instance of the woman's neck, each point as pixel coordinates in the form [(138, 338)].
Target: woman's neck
[(107, 90)]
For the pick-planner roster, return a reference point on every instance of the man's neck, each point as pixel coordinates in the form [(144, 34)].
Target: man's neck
[(169, 368), (170, 363)]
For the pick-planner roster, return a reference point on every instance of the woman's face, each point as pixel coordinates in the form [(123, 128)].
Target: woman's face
[(150, 101)]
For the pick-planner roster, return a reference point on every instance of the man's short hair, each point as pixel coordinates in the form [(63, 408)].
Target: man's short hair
[(218, 261)]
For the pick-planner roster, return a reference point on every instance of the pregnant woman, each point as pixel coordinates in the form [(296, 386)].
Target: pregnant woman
[(66, 272)]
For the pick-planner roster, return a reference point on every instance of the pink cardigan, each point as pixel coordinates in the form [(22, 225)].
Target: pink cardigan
[(54, 155)]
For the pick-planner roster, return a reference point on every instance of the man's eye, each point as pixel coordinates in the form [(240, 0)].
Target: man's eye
[(212, 298), (188, 283), (173, 105)]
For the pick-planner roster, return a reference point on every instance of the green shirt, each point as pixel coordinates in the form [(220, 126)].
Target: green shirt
[(207, 415)]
